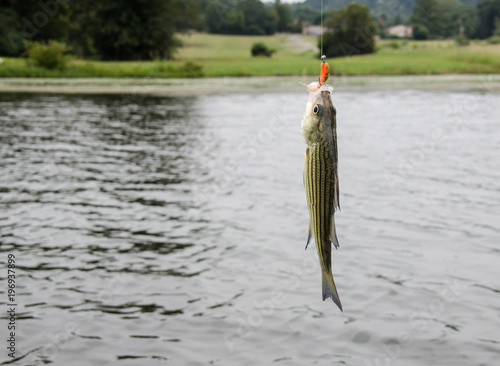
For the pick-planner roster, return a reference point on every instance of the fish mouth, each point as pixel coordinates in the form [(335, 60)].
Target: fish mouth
[(306, 127)]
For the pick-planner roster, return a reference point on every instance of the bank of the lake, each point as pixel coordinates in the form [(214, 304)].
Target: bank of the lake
[(209, 55), (227, 85)]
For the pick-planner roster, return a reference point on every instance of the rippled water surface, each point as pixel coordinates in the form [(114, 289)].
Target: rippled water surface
[(151, 231)]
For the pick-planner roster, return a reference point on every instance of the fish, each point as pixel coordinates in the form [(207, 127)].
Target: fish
[(319, 130)]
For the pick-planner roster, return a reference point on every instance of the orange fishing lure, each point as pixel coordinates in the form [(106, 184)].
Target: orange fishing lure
[(323, 76), (325, 70)]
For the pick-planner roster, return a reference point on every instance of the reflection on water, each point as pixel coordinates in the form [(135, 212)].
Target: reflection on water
[(158, 230)]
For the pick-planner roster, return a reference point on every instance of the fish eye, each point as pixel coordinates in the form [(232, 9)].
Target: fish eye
[(317, 109)]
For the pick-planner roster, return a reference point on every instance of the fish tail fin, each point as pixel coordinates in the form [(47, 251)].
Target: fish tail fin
[(329, 289)]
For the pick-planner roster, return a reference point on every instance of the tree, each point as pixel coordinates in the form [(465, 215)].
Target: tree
[(30, 20), (134, 29), (284, 16), (258, 19), (397, 19), (462, 20), (487, 11), (444, 18), (389, 8), (420, 32), (11, 41), (306, 14), (215, 16), (353, 31), (428, 14), (239, 17), (456, 18), (496, 32), (111, 29)]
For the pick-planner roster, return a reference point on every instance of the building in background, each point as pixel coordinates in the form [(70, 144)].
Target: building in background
[(312, 30), (400, 30)]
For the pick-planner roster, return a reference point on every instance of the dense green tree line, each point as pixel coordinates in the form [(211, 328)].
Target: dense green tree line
[(434, 18), (107, 29), (447, 18), (137, 29), (145, 29), (252, 17), (386, 8), (351, 30), (238, 17)]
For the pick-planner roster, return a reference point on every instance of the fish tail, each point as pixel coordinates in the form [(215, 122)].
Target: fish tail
[(329, 289)]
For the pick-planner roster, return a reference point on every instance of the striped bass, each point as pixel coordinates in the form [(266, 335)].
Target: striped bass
[(319, 129)]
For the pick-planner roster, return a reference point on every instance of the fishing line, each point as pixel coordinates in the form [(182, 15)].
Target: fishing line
[(321, 30)]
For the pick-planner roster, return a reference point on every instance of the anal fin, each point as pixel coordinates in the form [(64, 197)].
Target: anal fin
[(333, 235)]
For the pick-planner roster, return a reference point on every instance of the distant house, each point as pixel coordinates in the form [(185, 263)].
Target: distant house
[(401, 30), (312, 30)]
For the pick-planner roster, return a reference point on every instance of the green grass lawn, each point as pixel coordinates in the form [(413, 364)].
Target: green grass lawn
[(225, 55)]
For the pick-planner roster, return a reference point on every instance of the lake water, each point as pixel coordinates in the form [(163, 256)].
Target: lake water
[(153, 231)]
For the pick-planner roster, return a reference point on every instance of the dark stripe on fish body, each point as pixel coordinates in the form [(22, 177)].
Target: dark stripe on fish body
[(323, 200), (314, 202), (323, 191), (314, 188), (320, 182), (324, 218), (317, 167)]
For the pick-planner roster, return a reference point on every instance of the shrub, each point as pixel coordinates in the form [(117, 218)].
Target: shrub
[(260, 49), (193, 68), (420, 32), (295, 28), (49, 55), (395, 45), (462, 41), (493, 40), (393, 36)]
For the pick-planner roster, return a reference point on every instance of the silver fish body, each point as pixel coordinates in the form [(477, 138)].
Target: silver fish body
[(321, 180)]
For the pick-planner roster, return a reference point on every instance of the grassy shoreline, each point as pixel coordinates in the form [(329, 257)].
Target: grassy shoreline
[(206, 55), (184, 87)]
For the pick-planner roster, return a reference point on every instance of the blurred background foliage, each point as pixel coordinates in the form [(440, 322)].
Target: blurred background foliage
[(352, 32), (148, 29)]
